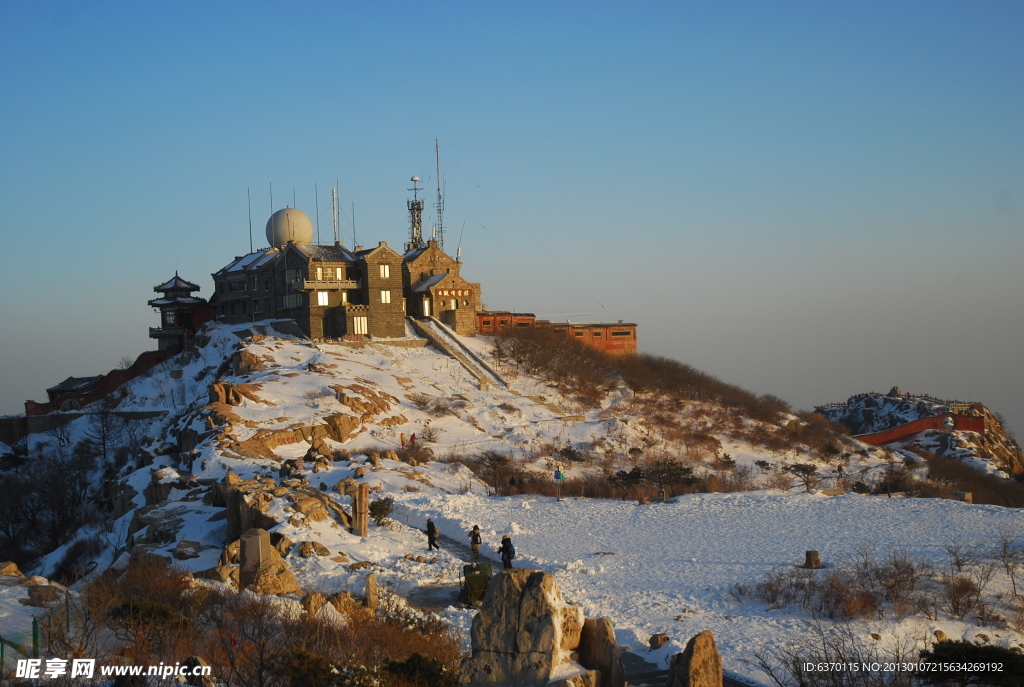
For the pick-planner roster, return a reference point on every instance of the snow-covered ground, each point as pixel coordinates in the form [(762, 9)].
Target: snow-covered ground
[(664, 567), (669, 567)]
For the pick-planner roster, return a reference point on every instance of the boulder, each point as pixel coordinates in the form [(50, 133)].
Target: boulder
[(599, 651), (231, 552), (313, 548), (197, 680), (390, 455), (10, 569), (312, 603), (344, 604), (187, 549), (245, 363), (589, 678), (221, 573), (699, 664), (282, 543), (658, 640), (940, 636), (262, 568), (523, 632), (312, 508), (44, 595)]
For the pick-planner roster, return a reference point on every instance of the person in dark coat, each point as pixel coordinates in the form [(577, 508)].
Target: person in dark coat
[(507, 551), (432, 535), (475, 540)]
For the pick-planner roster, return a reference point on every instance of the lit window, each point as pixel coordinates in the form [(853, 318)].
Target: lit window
[(359, 325), (385, 296), (338, 273), (344, 296), (319, 273), (385, 272), (321, 298)]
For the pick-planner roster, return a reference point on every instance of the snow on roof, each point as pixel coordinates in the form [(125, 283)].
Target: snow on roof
[(181, 300), (333, 253), (413, 254), (176, 283), (429, 282), (246, 260)]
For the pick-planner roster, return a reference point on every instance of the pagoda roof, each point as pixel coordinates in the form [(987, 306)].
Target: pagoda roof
[(180, 300), (176, 284)]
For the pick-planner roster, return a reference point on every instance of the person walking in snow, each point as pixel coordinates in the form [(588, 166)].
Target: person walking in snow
[(475, 540), (403, 439), (432, 535), (507, 551)]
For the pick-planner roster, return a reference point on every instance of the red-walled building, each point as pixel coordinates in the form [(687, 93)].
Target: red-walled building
[(618, 338)]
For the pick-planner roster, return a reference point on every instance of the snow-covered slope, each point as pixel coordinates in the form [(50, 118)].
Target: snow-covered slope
[(249, 399), (875, 412)]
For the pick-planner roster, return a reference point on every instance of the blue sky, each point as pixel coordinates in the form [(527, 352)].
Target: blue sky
[(806, 199)]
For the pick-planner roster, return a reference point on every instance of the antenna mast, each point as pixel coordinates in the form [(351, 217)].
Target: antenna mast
[(316, 198), (248, 198), (415, 218), (334, 213), (440, 197), (354, 241)]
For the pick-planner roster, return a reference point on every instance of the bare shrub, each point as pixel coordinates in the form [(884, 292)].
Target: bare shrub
[(779, 480), (788, 665), (510, 409), (430, 433), (441, 407), (421, 401), (986, 488)]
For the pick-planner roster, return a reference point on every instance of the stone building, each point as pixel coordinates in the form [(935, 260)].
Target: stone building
[(434, 288), (330, 291)]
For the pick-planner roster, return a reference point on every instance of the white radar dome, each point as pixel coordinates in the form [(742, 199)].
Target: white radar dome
[(289, 225)]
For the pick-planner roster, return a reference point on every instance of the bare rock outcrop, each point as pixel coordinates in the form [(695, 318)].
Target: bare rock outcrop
[(699, 664), (262, 568), (525, 630), (598, 650)]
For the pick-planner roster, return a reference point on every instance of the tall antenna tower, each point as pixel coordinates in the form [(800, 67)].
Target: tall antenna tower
[(415, 218), (334, 212), (439, 205)]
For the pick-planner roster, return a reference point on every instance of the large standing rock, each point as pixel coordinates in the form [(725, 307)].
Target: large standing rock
[(372, 593), (262, 568), (524, 630), (599, 651), (699, 665)]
